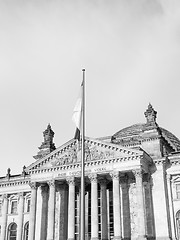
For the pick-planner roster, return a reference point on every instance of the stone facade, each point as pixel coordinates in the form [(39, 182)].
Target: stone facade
[(132, 188)]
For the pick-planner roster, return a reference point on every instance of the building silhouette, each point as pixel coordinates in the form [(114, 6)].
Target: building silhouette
[(132, 188)]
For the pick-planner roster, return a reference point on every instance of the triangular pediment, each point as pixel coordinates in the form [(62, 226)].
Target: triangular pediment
[(70, 153)]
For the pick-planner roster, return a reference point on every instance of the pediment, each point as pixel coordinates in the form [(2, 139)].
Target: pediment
[(176, 179), (70, 153)]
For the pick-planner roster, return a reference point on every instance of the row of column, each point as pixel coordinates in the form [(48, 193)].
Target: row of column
[(71, 209)]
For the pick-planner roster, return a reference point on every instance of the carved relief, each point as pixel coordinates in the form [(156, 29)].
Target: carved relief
[(73, 155)]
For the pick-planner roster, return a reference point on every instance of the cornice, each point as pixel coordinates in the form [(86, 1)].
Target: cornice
[(160, 161), (14, 183)]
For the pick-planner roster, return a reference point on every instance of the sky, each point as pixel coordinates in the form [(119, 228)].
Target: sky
[(129, 48)]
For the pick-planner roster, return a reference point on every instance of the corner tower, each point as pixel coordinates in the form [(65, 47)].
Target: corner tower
[(47, 145)]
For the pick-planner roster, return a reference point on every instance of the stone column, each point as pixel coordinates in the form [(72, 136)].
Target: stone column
[(104, 221), (148, 207), (32, 217), (20, 216), (44, 210), (51, 210), (125, 207), (4, 217), (116, 207), (63, 218), (171, 206), (94, 207), (140, 204), (71, 208)]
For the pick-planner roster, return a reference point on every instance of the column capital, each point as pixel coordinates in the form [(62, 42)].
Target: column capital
[(33, 185), (138, 173), (51, 183), (114, 175), (70, 180), (93, 177)]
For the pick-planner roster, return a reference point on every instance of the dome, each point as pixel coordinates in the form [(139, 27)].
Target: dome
[(135, 134)]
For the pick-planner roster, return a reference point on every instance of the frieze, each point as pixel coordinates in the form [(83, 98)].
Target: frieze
[(73, 155)]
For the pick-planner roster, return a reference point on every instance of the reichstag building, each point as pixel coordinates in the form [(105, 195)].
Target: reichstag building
[(132, 188)]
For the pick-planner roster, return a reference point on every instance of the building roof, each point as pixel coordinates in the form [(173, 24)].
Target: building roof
[(136, 131)]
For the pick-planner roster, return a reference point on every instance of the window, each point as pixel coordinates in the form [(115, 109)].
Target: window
[(12, 231), (14, 207), (26, 231), (28, 205), (178, 191)]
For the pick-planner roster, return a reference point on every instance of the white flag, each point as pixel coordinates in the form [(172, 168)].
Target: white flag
[(77, 113)]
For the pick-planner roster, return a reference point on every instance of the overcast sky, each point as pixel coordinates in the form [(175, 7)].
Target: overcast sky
[(129, 48)]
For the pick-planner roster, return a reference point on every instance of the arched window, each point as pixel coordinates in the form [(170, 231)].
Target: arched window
[(26, 231), (12, 231)]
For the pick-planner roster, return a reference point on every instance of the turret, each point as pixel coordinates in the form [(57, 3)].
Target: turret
[(47, 145)]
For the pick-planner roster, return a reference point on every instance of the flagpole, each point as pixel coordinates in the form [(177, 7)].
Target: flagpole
[(82, 210)]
